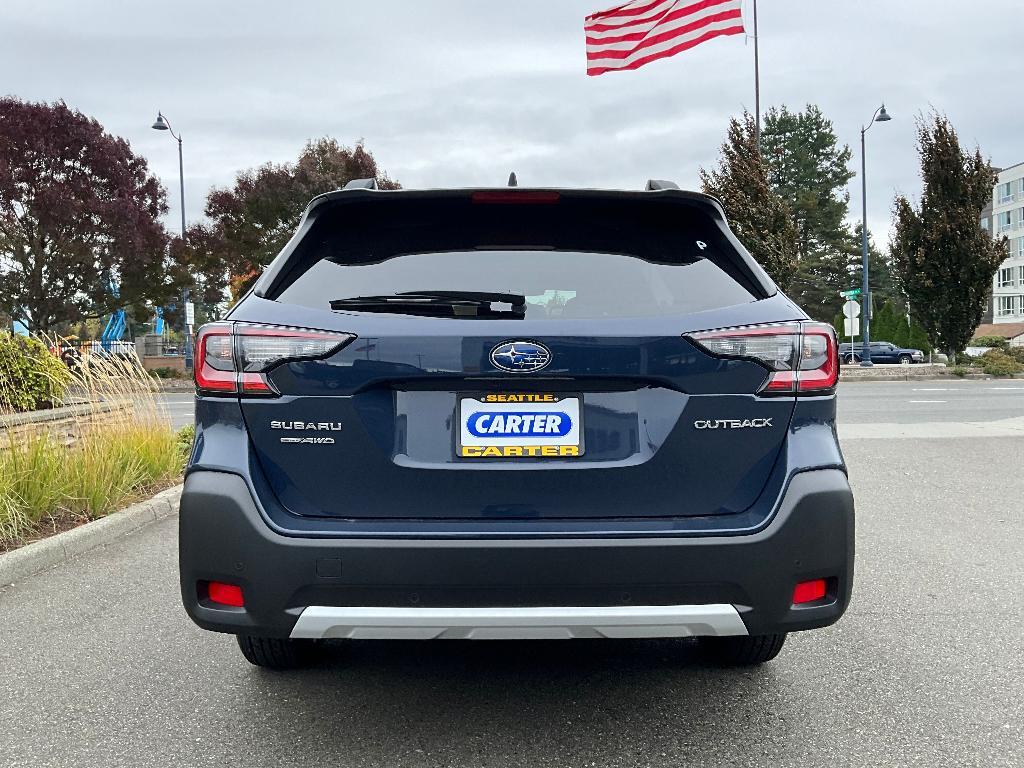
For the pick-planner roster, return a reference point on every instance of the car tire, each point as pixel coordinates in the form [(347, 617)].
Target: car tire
[(905, 360), (744, 651), (851, 359), (275, 652)]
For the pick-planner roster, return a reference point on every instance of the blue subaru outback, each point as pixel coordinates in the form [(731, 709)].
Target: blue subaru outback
[(515, 413)]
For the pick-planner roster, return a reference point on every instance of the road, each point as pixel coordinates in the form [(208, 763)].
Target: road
[(102, 667), (910, 402)]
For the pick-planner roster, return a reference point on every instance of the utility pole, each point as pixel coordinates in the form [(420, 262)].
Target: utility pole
[(880, 116), (163, 124)]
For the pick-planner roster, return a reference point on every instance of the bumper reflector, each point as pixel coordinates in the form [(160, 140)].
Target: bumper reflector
[(809, 591), (225, 594)]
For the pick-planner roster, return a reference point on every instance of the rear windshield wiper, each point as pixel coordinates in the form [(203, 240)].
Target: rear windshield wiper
[(439, 304)]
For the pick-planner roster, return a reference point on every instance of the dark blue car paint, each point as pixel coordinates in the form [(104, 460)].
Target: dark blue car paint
[(644, 387)]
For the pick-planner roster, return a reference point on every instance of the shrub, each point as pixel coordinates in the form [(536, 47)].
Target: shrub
[(31, 377), (996, 342), (166, 373), (186, 437), (958, 370), (997, 363), (1017, 353)]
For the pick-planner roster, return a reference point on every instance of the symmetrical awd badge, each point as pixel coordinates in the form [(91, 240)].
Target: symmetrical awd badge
[(307, 426)]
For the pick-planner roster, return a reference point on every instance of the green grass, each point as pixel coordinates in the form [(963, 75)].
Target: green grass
[(114, 460), (44, 481)]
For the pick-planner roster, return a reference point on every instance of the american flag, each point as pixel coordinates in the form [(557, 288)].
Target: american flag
[(631, 35)]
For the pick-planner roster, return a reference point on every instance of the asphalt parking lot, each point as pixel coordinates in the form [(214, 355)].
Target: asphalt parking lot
[(100, 665)]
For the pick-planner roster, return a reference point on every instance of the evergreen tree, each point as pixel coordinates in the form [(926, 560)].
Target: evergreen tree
[(883, 285), (757, 215), (943, 261), (900, 335), (885, 324), (918, 337), (809, 168)]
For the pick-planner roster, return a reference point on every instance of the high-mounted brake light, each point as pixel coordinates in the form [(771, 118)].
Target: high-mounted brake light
[(525, 197), (800, 357), (235, 358)]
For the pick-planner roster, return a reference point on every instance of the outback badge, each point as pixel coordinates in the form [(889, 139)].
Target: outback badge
[(520, 356)]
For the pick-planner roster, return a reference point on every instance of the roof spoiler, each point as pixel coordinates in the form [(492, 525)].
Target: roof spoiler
[(363, 191)]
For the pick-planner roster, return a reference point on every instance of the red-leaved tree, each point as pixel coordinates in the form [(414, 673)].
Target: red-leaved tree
[(79, 213), (251, 222)]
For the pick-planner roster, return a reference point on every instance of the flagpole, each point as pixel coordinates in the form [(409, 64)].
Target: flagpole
[(757, 85)]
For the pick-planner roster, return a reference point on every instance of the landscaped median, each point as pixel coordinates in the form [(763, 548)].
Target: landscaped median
[(52, 550), (80, 443)]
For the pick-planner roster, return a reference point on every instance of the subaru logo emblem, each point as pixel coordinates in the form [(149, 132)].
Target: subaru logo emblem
[(520, 356)]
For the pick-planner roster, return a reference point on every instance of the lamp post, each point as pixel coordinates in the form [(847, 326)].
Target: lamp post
[(880, 116), (163, 124)]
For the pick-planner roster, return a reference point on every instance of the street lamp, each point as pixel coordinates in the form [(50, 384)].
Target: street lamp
[(163, 124), (880, 116)]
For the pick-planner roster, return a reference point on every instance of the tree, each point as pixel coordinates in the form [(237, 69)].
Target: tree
[(252, 221), (886, 323), (943, 261), (80, 233), (810, 170), (883, 285), (758, 216)]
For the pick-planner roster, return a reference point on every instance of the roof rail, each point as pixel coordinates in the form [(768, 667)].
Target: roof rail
[(361, 184), (656, 185)]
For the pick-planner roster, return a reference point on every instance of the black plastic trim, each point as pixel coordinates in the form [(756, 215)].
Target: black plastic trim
[(223, 537)]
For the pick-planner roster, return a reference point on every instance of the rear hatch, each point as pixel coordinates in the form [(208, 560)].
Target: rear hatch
[(511, 355)]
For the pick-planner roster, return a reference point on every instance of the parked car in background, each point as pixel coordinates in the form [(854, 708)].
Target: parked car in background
[(881, 352)]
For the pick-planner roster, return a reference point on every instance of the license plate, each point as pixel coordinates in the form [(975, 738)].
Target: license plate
[(519, 425)]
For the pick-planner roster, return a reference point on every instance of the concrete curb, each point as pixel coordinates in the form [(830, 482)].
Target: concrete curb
[(46, 553)]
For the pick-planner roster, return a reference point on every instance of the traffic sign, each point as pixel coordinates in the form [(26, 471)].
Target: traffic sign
[(190, 313), (851, 310), (851, 328), (851, 294)]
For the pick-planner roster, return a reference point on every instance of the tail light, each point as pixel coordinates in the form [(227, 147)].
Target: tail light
[(234, 358), (800, 357)]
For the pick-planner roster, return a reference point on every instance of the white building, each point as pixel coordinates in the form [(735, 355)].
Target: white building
[(1007, 219)]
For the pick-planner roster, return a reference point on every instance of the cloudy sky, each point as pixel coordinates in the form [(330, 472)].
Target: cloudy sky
[(460, 92)]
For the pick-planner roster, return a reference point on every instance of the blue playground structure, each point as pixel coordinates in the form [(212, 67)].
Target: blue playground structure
[(114, 330)]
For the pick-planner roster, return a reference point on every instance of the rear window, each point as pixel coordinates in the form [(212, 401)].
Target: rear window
[(571, 260)]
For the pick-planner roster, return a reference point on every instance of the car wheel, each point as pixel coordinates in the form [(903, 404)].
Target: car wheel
[(275, 652), (744, 651), (850, 359), (905, 360)]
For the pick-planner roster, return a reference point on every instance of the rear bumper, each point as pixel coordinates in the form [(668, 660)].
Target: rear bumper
[(515, 588)]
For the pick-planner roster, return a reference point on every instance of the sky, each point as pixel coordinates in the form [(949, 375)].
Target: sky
[(460, 92)]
